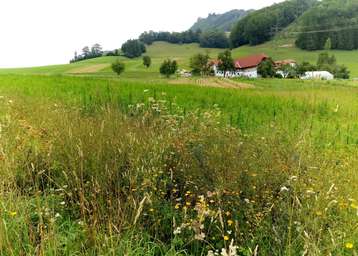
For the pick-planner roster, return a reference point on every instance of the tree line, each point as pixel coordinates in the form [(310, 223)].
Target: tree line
[(88, 53), (207, 39), (333, 20), (262, 25)]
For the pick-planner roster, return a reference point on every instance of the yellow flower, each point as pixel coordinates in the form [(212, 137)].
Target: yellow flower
[(319, 213), (177, 206), (188, 203), (226, 238), (13, 214), (151, 210), (349, 246), (230, 222), (354, 206)]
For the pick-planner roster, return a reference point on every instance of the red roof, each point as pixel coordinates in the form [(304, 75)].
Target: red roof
[(250, 61)]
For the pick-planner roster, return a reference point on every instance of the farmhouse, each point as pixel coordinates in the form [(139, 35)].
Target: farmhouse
[(279, 64), (323, 75), (244, 67), (281, 67)]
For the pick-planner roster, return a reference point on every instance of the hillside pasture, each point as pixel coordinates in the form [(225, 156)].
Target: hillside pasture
[(159, 51)]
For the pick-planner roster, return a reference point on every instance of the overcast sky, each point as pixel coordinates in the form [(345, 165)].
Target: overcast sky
[(43, 32)]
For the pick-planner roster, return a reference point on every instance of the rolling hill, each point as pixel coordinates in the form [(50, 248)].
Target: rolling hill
[(222, 22), (159, 51)]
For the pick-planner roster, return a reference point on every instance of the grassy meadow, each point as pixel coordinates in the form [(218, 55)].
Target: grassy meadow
[(93, 164), (277, 49)]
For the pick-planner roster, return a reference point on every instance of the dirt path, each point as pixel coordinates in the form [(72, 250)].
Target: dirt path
[(88, 69), (213, 82)]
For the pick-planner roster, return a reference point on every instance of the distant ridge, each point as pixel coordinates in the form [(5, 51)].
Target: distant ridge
[(223, 22)]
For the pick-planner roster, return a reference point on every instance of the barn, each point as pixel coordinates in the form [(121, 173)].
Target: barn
[(244, 67)]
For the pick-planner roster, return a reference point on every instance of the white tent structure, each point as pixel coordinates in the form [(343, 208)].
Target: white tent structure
[(322, 75)]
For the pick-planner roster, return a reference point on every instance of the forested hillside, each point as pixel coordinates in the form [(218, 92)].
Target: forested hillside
[(223, 22), (262, 25), (333, 23)]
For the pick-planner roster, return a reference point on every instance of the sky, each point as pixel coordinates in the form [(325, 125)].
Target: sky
[(46, 32)]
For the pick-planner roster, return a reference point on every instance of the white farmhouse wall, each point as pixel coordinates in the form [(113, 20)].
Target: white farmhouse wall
[(250, 73)]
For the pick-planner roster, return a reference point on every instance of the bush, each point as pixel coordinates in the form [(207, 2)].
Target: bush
[(305, 67), (168, 67), (147, 61), (342, 72), (118, 67)]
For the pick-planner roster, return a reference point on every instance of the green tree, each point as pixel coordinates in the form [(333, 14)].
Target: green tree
[(118, 67), (305, 67), (96, 50), (147, 61), (328, 44), (85, 51), (329, 63), (168, 67), (133, 48), (324, 59), (199, 64), (226, 62), (290, 71), (266, 69)]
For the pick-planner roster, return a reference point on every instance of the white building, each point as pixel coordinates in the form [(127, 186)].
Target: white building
[(322, 75), (245, 67)]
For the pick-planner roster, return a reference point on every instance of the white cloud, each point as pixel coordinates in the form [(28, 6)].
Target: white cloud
[(42, 32)]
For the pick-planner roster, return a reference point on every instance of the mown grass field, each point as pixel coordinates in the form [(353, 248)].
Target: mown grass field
[(107, 166)]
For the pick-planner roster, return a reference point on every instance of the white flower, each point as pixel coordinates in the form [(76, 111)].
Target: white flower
[(177, 231), (284, 189), (293, 178), (211, 253), (200, 236), (232, 251)]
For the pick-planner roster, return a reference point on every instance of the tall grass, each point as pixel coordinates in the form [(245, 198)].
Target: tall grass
[(91, 166)]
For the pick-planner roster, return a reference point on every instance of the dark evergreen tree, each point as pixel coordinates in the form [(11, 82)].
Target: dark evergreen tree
[(133, 48)]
